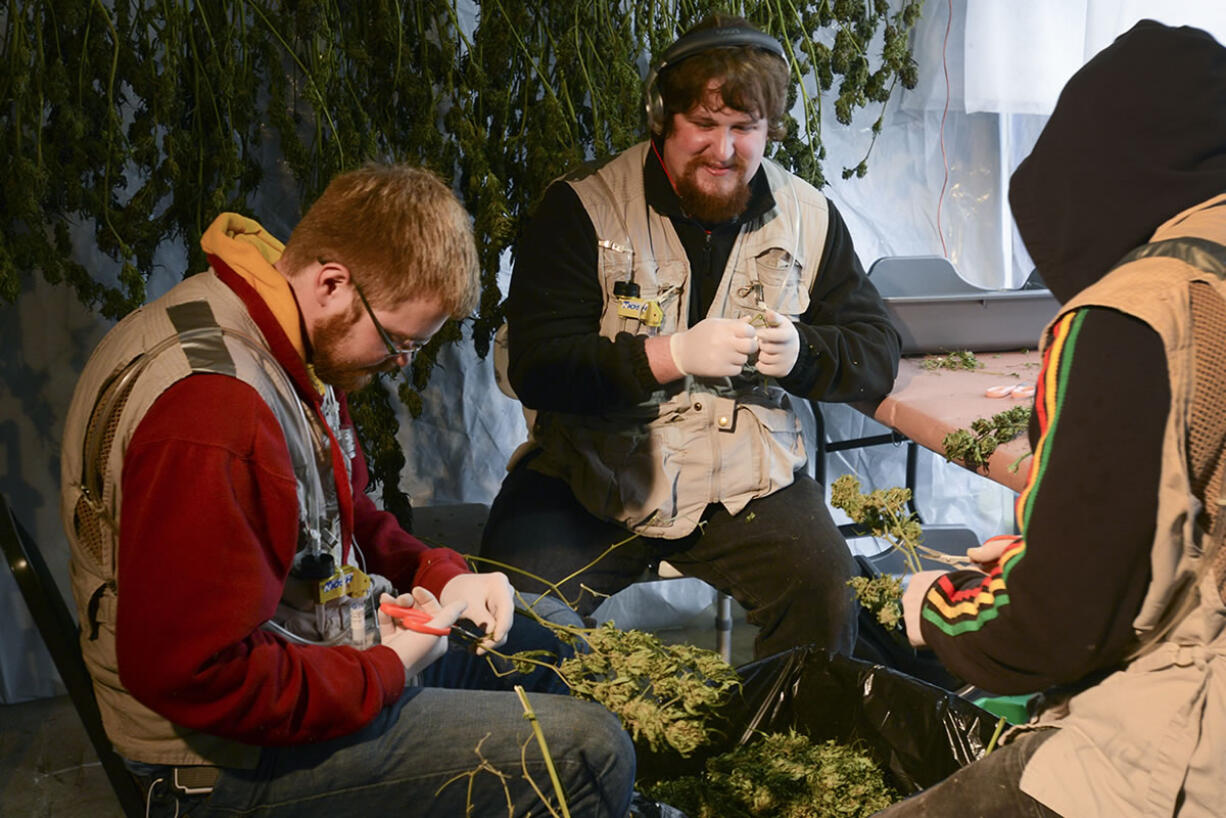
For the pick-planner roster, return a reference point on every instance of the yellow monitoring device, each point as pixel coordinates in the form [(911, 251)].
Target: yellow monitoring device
[(347, 581), (630, 305), (648, 312)]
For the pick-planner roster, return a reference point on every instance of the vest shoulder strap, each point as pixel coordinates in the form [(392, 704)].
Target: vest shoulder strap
[(1203, 254)]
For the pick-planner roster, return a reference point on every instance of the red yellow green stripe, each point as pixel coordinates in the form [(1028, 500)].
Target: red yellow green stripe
[(955, 612), (981, 603), (1048, 397)]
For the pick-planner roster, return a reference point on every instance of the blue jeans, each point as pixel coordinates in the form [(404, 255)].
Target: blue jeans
[(419, 755)]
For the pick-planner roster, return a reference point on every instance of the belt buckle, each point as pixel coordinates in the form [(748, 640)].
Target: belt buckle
[(195, 780)]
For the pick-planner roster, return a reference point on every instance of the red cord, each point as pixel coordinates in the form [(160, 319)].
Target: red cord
[(667, 175)]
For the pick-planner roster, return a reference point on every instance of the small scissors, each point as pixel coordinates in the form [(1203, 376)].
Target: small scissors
[(415, 619)]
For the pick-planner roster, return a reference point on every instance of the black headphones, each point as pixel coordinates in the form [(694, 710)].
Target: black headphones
[(699, 41)]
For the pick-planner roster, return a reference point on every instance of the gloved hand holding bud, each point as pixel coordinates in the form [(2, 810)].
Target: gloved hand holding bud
[(778, 345)]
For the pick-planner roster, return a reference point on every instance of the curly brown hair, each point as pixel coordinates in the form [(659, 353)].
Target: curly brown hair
[(752, 80)]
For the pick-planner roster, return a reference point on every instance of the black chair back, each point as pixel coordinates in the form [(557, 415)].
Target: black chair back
[(59, 630)]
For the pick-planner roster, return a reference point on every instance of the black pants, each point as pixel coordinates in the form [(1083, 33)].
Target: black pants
[(987, 788), (781, 557)]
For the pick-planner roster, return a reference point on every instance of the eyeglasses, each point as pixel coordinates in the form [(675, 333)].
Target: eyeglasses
[(394, 350)]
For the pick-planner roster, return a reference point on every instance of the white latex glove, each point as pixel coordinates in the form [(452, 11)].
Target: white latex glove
[(714, 347), (987, 555), (489, 601), (913, 604), (417, 651), (778, 345)]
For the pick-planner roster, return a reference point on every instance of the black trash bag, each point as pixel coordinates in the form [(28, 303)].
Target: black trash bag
[(643, 807), (917, 732)]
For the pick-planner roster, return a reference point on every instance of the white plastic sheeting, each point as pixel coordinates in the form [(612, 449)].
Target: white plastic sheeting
[(1002, 38), (457, 450)]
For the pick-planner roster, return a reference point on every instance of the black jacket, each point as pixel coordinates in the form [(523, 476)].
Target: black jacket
[(560, 362)]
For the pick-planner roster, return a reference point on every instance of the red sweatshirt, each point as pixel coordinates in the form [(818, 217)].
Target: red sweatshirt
[(209, 528)]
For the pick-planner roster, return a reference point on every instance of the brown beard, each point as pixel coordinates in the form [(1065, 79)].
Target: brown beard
[(708, 208), (340, 373)]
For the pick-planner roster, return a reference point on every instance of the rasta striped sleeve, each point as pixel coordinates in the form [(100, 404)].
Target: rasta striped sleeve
[(1051, 387), (955, 611)]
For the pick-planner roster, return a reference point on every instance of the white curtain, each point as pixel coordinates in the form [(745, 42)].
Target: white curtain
[(989, 74), (937, 176), (1019, 55)]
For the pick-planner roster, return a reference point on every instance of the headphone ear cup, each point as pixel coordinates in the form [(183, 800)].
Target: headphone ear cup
[(655, 110)]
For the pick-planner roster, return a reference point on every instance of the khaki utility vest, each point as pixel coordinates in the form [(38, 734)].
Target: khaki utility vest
[(1150, 740), (200, 326), (654, 468)]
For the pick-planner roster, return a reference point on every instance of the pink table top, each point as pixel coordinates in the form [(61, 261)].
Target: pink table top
[(926, 405)]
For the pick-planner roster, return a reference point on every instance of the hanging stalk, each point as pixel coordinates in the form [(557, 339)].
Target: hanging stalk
[(806, 102), (876, 129), (536, 68), (110, 130), (38, 130), (813, 119), (319, 97), (587, 77), (399, 43), (15, 51), (565, 88)]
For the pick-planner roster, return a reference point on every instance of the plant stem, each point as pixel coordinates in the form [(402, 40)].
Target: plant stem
[(323, 103), (541, 75), (110, 129), (1000, 726), (807, 102), (555, 587), (591, 87), (530, 715)]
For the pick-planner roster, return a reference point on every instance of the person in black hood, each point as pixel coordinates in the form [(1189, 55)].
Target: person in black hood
[(1138, 135), (1110, 601)]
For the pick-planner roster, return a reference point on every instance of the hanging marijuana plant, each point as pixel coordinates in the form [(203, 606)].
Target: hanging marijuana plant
[(138, 122)]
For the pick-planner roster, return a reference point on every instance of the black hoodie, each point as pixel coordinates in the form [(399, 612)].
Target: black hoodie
[(1138, 135)]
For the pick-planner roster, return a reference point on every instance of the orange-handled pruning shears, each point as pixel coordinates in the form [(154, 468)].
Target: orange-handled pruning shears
[(415, 619)]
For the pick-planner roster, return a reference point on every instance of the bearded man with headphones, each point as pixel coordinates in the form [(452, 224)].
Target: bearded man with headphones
[(666, 309)]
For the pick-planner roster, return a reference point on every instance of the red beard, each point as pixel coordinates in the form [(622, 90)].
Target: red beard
[(712, 208), (339, 372)]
